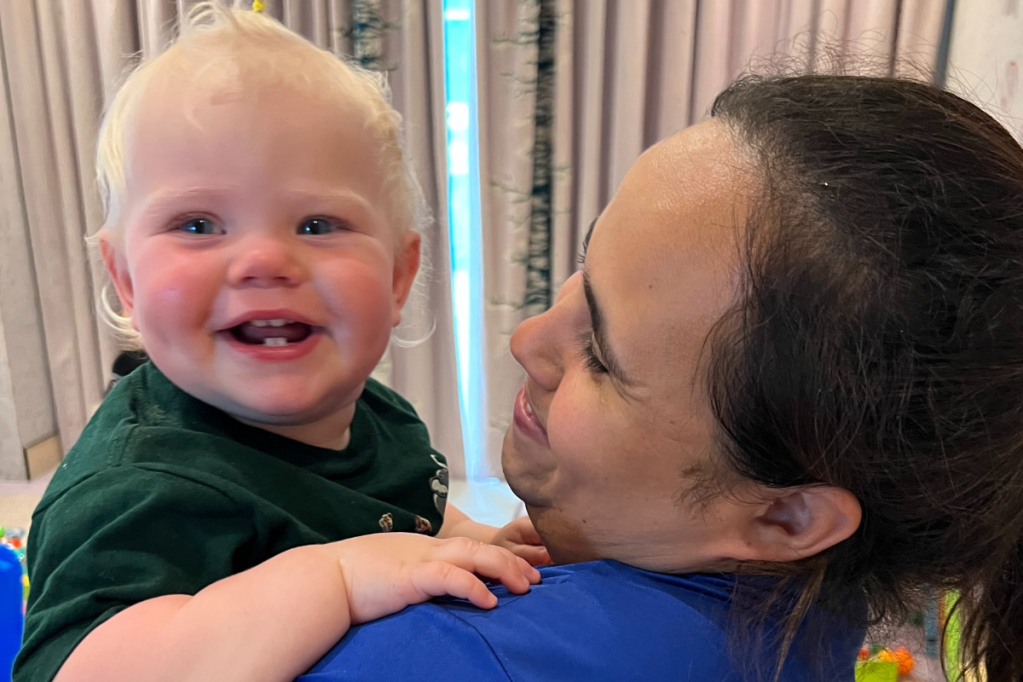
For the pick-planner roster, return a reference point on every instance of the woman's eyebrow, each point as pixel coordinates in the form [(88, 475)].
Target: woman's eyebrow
[(600, 334), (589, 233)]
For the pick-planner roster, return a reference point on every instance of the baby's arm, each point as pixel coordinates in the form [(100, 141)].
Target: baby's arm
[(457, 524), (519, 536), (272, 622)]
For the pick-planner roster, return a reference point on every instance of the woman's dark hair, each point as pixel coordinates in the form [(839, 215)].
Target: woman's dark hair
[(878, 344)]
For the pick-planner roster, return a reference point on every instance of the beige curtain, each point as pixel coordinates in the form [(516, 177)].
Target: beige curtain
[(572, 91), (61, 61)]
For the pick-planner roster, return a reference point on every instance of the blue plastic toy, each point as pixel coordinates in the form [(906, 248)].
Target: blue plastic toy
[(12, 616)]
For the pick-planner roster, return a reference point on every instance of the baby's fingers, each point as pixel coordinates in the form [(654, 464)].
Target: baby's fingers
[(512, 571), (440, 578), (496, 563), (534, 555)]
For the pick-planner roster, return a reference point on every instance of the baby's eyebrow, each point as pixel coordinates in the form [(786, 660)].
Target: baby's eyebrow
[(160, 201), (342, 196)]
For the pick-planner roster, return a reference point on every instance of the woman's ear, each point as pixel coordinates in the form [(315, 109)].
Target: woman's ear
[(117, 268), (406, 266), (801, 522)]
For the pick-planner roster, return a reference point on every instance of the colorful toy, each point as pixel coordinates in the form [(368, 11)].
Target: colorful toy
[(877, 664), (876, 671), (12, 613), (14, 540), (900, 657)]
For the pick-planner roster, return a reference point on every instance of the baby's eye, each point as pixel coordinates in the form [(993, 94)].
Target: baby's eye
[(203, 226), (317, 226)]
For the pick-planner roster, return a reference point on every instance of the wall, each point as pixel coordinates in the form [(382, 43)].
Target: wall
[(985, 57)]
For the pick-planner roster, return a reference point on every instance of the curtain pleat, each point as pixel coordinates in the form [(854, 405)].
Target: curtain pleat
[(29, 51)]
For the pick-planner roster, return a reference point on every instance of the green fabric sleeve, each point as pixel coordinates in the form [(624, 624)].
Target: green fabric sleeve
[(116, 538)]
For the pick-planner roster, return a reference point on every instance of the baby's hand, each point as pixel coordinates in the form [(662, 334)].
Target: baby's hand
[(520, 538), (385, 573)]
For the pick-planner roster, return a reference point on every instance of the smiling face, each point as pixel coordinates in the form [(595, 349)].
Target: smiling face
[(256, 259), (613, 418)]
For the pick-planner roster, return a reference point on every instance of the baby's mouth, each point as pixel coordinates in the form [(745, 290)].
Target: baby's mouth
[(271, 332)]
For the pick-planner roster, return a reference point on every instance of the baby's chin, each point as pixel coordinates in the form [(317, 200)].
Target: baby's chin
[(287, 407), (301, 411), (318, 427)]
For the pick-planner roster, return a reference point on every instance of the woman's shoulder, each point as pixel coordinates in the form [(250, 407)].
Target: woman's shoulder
[(609, 587), (604, 620), (593, 621)]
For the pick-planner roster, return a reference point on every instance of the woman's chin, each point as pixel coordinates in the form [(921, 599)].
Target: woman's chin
[(528, 473)]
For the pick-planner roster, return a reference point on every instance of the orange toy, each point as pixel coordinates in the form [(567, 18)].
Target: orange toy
[(900, 657)]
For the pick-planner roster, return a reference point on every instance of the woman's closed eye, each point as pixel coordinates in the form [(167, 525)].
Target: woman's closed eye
[(593, 361)]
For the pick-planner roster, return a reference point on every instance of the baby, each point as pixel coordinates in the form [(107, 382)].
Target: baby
[(260, 234)]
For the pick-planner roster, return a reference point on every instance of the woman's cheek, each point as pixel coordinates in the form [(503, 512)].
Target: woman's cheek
[(571, 431)]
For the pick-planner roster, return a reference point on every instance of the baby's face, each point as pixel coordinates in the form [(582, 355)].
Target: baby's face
[(257, 260)]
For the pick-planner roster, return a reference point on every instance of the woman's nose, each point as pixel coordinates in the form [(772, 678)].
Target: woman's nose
[(543, 343), (264, 261)]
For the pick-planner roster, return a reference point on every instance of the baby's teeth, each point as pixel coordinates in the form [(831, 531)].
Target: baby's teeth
[(277, 323), (275, 341), (260, 323)]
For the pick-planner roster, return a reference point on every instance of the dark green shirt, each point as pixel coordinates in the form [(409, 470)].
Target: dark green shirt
[(164, 494)]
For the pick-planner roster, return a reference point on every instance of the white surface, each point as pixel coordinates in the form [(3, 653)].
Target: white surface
[(985, 57), (491, 501)]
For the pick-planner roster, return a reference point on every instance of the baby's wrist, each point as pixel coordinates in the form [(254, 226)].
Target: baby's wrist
[(480, 532)]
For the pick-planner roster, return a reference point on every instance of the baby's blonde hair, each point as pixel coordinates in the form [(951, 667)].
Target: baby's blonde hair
[(251, 45)]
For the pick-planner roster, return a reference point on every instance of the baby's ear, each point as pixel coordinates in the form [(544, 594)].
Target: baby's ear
[(117, 268), (406, 266)]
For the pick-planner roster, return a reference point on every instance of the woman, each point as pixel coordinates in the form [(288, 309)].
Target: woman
[(783, 397)]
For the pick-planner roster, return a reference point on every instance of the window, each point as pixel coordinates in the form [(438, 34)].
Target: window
[(487, 500), (464, 220)]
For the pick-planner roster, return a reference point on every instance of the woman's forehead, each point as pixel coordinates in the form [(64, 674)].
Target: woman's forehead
[(663, 258)]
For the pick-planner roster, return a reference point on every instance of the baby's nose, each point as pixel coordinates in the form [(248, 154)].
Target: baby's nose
[(264, 261)]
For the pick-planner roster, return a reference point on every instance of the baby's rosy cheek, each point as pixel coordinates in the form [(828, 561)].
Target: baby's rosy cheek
[(163, 301), (357, 289)]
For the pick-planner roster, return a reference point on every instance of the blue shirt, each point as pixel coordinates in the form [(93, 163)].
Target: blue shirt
[(592, 622)]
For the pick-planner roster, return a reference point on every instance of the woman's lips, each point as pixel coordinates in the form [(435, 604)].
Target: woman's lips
[(526, 421)]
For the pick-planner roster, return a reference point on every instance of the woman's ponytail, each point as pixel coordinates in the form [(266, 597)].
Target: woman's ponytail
[(877, 344)]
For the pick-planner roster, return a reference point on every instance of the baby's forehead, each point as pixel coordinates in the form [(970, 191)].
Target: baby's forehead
[(232, 70)]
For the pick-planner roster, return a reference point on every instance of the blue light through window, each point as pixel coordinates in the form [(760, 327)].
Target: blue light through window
[(464, 221)]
